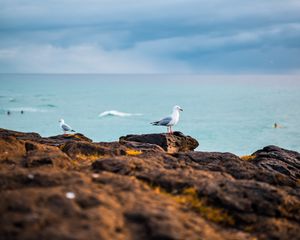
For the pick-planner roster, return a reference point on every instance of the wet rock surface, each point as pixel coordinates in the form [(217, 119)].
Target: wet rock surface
[(68, 187)]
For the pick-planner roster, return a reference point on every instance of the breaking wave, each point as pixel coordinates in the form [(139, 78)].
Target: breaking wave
[(115, 113)]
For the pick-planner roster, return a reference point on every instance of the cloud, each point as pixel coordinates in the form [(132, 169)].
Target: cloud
[(81, 59), (74, 13), (149, 36), (284, 35)]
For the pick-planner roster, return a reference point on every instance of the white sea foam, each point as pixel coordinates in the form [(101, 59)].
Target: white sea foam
[(118, 114)]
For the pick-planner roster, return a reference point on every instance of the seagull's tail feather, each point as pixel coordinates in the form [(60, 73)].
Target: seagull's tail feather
[(155, 123), (73, 130)]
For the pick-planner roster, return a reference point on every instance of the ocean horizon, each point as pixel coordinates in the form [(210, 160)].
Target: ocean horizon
[(227, 113)]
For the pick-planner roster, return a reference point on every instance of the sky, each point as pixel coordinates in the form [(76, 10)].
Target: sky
[(157, 36)]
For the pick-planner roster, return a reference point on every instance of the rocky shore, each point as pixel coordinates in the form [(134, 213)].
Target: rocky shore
[(152, 186)]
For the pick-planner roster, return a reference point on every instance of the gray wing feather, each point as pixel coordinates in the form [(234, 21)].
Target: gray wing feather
[(66, 127), (165, 121)]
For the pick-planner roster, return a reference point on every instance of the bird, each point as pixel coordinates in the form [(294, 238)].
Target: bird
[(65, 127), (170, 120)]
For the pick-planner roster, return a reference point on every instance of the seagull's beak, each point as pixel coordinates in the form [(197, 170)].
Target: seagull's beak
[(181, 109)]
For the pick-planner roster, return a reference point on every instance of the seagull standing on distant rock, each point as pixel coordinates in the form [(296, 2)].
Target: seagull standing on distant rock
[(65, 127), (170, 120)]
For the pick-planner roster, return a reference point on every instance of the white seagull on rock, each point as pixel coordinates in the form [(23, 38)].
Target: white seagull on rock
[(65, 127), (170, 120)]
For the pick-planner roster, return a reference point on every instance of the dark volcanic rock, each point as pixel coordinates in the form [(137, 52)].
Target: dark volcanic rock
[(19, 135), (39, 155), (12, 150), (171, 143), (68, 187), (85, 150), (278, 160), (147, 147), (251, 195), (68, 137), (233, 165), (59, 140)]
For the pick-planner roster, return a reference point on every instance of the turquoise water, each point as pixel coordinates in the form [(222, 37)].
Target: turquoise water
[(225, 113)]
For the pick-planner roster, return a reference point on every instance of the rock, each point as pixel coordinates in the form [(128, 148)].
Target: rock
[(19, 135), (60, 140), (92, 151), (12, 150), (233, 165), (68, 137), (40, 155), (144, 147), (250, 195), (278, 160), (68, 187), (171, 143)]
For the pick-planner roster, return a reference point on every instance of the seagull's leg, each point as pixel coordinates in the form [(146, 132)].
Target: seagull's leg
[(171, 130)]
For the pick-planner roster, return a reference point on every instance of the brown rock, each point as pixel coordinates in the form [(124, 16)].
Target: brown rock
[(71, 188), (19, 135), (12, 150), (223, 181), (144, 147), (171, 143), (60, 140), (92, 151), (233, 165), (278, 160), (40, 155), (68, 137)]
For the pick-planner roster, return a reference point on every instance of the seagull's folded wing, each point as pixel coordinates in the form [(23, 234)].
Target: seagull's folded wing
[(165, 121), (66, 127)]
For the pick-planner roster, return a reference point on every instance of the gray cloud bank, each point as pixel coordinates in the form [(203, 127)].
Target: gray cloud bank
[(186, 36)]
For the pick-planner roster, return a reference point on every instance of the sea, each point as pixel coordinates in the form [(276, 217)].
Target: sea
[(225, 113)]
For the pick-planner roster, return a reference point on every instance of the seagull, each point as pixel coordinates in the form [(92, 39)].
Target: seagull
[(65, 127), (170, 120)]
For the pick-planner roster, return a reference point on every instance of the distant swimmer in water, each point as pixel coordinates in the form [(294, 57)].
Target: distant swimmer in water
[(8, 112), (22, 111), (276, 125)]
